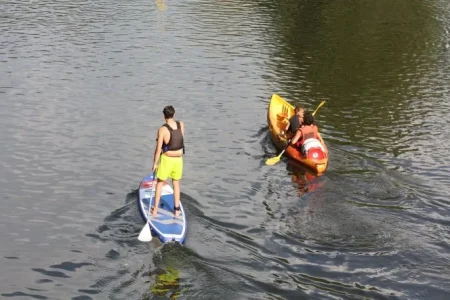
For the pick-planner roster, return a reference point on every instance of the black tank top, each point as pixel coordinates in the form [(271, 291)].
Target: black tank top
[(295, 123), (176, 141)]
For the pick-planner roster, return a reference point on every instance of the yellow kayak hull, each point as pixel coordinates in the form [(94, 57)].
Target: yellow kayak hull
[(278, 115)]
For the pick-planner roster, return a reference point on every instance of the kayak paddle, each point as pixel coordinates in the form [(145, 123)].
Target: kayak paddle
[(274, 160), (320, 105)]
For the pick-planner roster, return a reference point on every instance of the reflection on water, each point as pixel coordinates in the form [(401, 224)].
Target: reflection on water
[(306, 180), (161, 4), (166, 282), (83, 85)]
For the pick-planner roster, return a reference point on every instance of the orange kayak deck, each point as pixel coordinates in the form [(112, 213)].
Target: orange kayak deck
[(278, 115)]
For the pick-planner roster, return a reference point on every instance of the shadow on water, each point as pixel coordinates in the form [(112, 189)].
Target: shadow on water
[(328, 215), (122, 225), (358, 213), (320, 236), (169, 270), (129, 261)]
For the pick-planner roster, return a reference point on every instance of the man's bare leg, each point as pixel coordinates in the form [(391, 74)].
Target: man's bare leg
[(159, 186), (176, 195)]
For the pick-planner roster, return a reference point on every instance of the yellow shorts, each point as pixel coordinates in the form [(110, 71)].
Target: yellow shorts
[(170, 167)]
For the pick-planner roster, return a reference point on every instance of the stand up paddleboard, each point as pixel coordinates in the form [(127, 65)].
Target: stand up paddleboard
[(165, 225)]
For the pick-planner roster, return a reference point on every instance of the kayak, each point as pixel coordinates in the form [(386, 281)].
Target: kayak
[(278, 115), (165, 225)]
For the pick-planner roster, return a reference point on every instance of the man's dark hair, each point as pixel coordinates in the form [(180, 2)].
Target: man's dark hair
[(308, 118), (168, 111), (298, 108)]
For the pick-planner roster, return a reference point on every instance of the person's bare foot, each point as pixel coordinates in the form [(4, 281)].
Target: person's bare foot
[(177, 211), (154, 211)]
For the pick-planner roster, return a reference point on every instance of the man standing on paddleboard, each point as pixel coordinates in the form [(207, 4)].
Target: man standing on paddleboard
[(168, 159)]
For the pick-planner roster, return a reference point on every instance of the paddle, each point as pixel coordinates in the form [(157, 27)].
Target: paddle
[(320, 105), (146, 234), (276, 159)]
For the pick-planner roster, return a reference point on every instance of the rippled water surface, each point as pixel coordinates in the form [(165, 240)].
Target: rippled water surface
[(82, 87)]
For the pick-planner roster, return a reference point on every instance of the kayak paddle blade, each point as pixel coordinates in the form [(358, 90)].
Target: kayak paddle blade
[(320, 105), (146, 234), (273, 160)]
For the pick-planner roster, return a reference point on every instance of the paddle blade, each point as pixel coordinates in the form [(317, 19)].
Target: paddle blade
[(273, 160), (146, 234), (320, 105)]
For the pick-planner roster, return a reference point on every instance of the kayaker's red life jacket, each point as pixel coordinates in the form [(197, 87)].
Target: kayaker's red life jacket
[(310, 132)]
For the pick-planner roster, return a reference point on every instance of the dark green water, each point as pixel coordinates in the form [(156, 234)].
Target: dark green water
[(82, 87)]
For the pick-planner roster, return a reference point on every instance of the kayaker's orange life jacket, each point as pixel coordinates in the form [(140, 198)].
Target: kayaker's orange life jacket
[(308, 132)]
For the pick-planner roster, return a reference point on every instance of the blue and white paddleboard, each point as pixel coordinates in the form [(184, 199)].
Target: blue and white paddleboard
[(165, 225)]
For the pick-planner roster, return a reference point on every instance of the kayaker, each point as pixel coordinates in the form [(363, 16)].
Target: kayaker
[(295, 122), (168, 159), (306, 138)]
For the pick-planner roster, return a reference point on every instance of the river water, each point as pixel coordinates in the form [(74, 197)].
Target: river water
[(82, 87)]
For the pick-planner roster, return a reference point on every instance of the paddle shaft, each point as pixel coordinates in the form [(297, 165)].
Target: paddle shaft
[(288, 144), (146, 234), (320, 105), (151, 195)]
